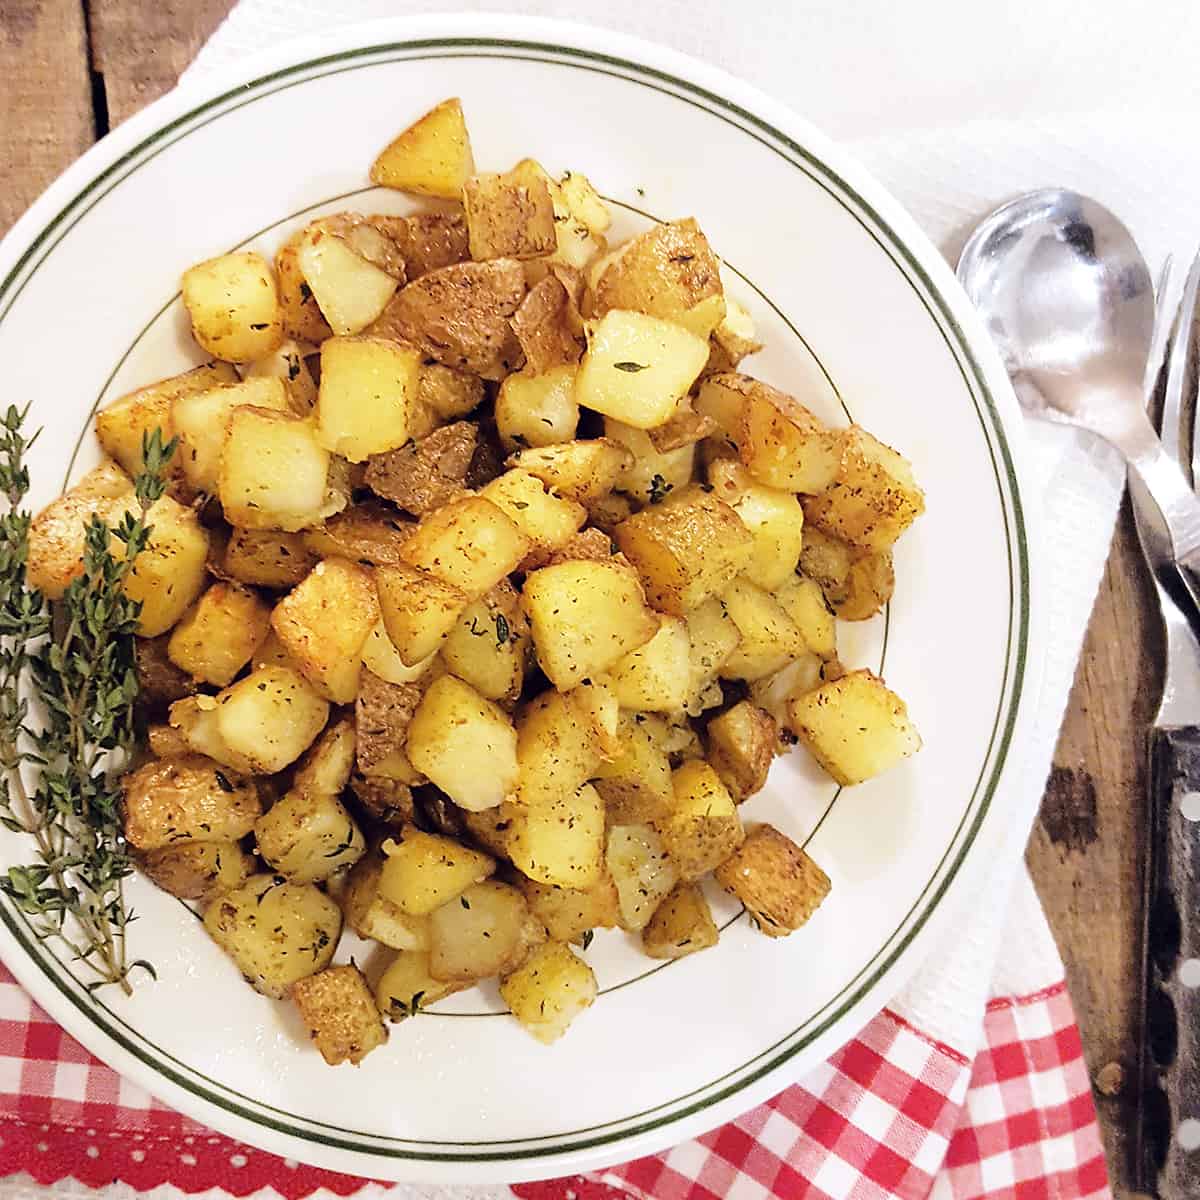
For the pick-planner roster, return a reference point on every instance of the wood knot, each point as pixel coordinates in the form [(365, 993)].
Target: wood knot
[(1069, 814)]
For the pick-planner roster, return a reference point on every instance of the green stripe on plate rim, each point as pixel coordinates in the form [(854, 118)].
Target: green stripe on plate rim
[(1011, 510)]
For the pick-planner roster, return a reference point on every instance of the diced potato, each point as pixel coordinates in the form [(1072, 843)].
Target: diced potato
[(198, 870), (510, 215), (857, 583), (423, 871), (568, 913), (803, 601), (703, 827), (367, 392), (855, 726), (428, 473), (590, 545), (270, 717), (479, 935), (326, 768), (167, 576), (681, 925), (685, 428), (165, 741), (369, 532), (233, 304), (323, 624), (656, 677), (641, 870), (287, 365), (774, 518), (406, 986), (469, 544), (339, 1011), (768, 637), (559, 746), (653, 474), (385, 800), (741, 745), (559, 840), (465, 744), (350, 291), (168, 801), (779, 441), (276, 932), (372, 915), (201, 418), (537, 410), (636, 785), (873, 497), (298, 306), (274, 473), (581, 470), (735, 336), (218, 636), (432, 157), (549, 991), (584, 617), (778, 883), (584, 202), (548, 521), (544, 327), (670, 272), (487, 646), (686, 549), (773, 692), (267, 558), (637, 368), (712, 637), (195, 720), (381, 658), (419, 611), (597, 705), (308, 836)]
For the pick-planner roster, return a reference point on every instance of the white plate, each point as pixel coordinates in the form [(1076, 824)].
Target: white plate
[(860, 317)]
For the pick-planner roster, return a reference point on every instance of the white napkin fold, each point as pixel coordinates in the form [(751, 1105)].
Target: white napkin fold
[(954, 109)]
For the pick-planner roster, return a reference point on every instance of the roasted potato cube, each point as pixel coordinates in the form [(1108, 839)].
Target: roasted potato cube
[(653, 474), (218, 636), (741, 745), (418, 610), (167, 576), (774, 518), (383, 713), (855, 726), (432, 157), (287, 365), (366, 396), (703, 827), (803, 601), (670, 272), (685, 428), (768, 637), (584, 470), (308, 836), (459, 316), (656, 677), (373, 916), (469, 544), (584, 617), (326, 768), (165, 741), (873, 497), (381, 658), (568, 913), (349, 290), (857, 583), (173, 800), (559, 839), (637, 368), (773, 692), (548, 521), (545, 327), (324, 622), (426, 240), (549, 991), (387, 801), (560, 744), (636, 785), (422, 871), (406, 986), (588, 545), (160, 681), (686, 549), (735, 337), (778, 883), (194, 718), (198, 870), (366, 533), (487, 646), (267, 558), (274, 473), (510, 215), (465, 744), (301, 315), (233, 304), (641, 870), (537, 410), (489, 828), (276, 932), (681, 925), (713, 637), (269, 718), (339, 1011), (428, 473), (479, 935)]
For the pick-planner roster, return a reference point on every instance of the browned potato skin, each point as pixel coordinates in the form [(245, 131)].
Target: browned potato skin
[(592, 545), (778, 883), (510, 215), (386, 801), (685, 428), (568, 913), (426, 241), (265, 558), (165, 741), (365, 533), (857, 583), (302, 317), (160, 681), (741, 746), (170, 800), (198, 870), (490, 828), (428, 473), (382, 714), (681, 925), (542, 326), (339, 1010), (458, 315)]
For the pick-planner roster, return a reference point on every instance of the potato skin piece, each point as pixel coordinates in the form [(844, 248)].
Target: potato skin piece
[(198, 870), (778, 883), (382, 713), (427, 473), (337, 1006), (426, 241), (160, 681), (741, 746), (681, 925), (187, 799)]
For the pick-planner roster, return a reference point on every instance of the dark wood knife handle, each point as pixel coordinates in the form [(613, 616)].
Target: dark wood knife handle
[(1171, 1003)]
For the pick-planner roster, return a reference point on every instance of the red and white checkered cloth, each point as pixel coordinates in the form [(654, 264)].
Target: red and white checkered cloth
[(893, 1114)]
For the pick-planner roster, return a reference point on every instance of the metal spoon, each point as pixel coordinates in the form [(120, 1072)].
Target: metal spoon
[(1069, 300)]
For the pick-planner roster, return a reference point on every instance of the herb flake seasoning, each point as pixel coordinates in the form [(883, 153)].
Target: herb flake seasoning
[(503, 633), (659, 488), (631, 368)]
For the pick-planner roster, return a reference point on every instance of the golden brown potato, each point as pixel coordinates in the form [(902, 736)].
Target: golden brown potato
[(167, 801), (641, 870), (803, 600), (339, 1010), (559, 839), (778, 883), (287, 365), (741, 745), (681, 925), (195, 720), (169, 574), (198, 870), (549, 991), (569, 913), (560, 744), (767, 636), (588, 545), (165, 741), (488, 645), (369, 533), (307, 836), (480, 935), (426, 240), (423, 871), (373, 916), (219, 634), (406, 987), (428, 473), (418, 610), (685, 428), (542, 326), (547, 520), (269, 718), (636, 785), (301, 315), (160, 681), (774, 518), (653, 474), (432, 157), (510, 215), (537, 410), (267, 558), (366, 397), (325, 769), (657, 676), (351, 268), (703, 827), (234, 308), (579, 470), (857, 583)]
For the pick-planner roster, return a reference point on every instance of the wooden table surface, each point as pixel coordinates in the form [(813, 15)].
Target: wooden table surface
[(72, 70)]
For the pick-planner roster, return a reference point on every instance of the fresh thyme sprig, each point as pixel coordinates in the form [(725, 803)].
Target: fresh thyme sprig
[(74, 660)]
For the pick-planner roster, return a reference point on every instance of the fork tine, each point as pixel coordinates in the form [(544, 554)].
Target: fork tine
[(1179, 400)]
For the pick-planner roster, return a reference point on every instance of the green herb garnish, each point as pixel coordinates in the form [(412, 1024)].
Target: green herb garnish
[(659, 488), (632, 367)]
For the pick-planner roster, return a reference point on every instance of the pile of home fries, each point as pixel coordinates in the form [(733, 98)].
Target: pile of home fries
[(485, 590)]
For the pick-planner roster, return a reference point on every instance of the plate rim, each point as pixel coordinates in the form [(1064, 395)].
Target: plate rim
[(548, 36)]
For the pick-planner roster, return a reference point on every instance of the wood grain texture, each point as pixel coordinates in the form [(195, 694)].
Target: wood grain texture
[(45, 97), (140, 47)]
